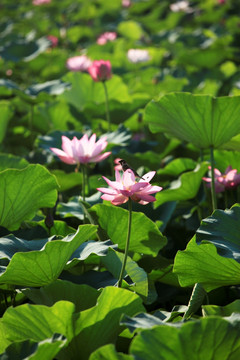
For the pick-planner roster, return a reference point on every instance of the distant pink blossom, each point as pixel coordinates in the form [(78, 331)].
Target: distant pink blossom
[(78, 63), (82, 151), (100, 70), (138, 55), (105, 37), (126, 3), (139, 136), (40, 2), (220, 2), (53, 39), (9, 72), (181, 6), (228, 180), (126, 187)]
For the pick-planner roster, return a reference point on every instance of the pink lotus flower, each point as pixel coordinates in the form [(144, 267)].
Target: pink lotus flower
[(53, 39), (82, 151), (100, 70), (228, 180), (126, 187), (105, 37), (9, 72), (40, 2), (181, 6), (126, 3), (138, 55), (78, 63)]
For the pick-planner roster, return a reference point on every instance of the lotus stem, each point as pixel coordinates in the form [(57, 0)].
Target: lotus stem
[(127, 243), (31, 114), (107, 106), (83, 182), (213, 192)]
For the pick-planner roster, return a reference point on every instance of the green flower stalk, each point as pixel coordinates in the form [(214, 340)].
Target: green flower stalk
[(125, 189), (127, 243), (107, 106), (83, 181), (213, 192)]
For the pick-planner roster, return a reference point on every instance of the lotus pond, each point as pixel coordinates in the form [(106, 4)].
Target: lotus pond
[(100, 258)]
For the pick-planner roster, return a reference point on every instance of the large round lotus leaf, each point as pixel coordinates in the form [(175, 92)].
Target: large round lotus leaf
[(209, 338), (6, 114), (23, 192), (203, 120)]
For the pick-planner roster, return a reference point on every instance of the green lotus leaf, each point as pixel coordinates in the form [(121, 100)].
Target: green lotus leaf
[(109, 352), (23, 192), (185, 188), (222, 229), (200, 263), (39, 267), (24, 49), (177, 166), (113, 263), (130, 29), (84, 90), (37, 322), (101, 322), (83, 296), (203, 120), (145, 235), (6, 111), (228, 310), (166, 342), (46, 349), (206, 58), (8, 161), (99, 248)]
